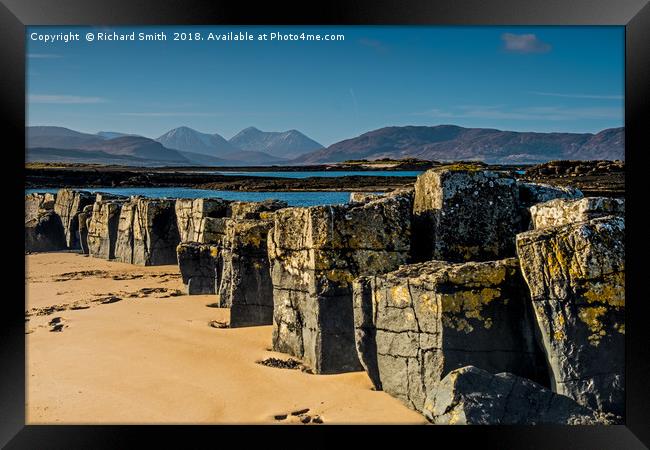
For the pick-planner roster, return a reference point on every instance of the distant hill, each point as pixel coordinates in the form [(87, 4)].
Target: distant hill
[(285, 144), (453, 143), (113, 134), (190, 140)]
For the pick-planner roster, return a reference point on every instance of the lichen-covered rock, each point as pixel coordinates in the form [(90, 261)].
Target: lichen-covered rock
[(256, 210), (576, 277), (315, 254), (102, 228), (44, 233), (36, 203), (416, 324), (191, 212), (69, 203), (564, 211), (200, 267), (533, 193), (84, 220), (245, 285), (211, 230), (147, 232), (472, 396), (363, 197), (464, 213)]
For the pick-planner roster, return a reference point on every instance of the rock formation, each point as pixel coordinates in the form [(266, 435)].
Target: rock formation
[(463, 213), (255, 210), (102, 228), (576, 276), (363, 197), (471, 396), (200, 267), (44, 233), (84, 220), (564, 211), (69, 203), (315, 254), (416, 324), (190, 215), (36, 203), (245, 285), (147, 232)]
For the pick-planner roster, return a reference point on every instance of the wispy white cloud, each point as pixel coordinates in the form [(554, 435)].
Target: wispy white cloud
[(43, 55), (544, 113), (589, 96), (63, 99), (524, 43)]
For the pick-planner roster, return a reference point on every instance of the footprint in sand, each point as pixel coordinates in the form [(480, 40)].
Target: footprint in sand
[(56, 324)]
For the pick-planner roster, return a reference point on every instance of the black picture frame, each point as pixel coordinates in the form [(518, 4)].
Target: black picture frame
[(633, 14)]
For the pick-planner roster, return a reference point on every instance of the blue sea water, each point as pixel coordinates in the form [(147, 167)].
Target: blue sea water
[(325, 173), (292, 198)]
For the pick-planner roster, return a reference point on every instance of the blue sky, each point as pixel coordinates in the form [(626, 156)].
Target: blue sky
[(568, 79)]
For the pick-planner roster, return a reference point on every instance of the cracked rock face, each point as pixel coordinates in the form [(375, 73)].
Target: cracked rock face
[(69, 203), (84, 220), (533, 193), (363, 197), (472, 396), (463, 213), (36, 203), (191, 215), (418, 323), (256, 210), (245, 286), (102, 228), (147, 232), (576, 277), (44, 233), (315, 253), (200, 267), (564, 211)]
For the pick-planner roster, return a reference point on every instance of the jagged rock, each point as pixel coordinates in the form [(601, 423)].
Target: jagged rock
[(84, 221), (69, 203), (246, 286), (563, 211), (472, 396), (102, 228), (576, 277), (102, 196), (44, 233), (147, 232), (533, 193), (200, 267), (464, 213), (416, 324), (255, 210), (363, 197), (315, 254), (190, 214), (36, 203), (211, 230)]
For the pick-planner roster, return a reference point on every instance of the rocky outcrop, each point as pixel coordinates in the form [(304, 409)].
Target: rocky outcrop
[(36, 203), (102, 228), (69, 203), (472, 396), (200, 267), (255, 210), (564, 211), (44, 233), (245, 285), (315, 253), (84, 220), (147, 232), (190, 215), (418, 323), (363, 197), (533, 193), (576, 276), (464, 213)]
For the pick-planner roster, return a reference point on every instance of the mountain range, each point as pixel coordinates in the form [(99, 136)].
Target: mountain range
[(184, 146)]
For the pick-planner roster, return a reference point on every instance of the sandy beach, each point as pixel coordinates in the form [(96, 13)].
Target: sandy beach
[(113, 343)]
